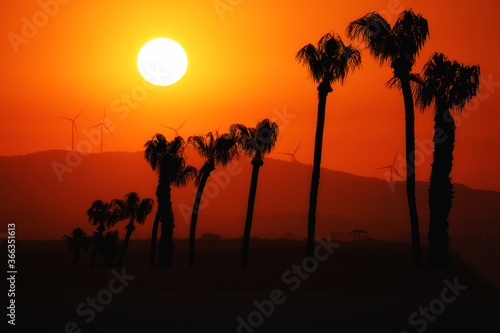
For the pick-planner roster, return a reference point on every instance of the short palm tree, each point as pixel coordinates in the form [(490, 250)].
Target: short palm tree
[(167, 158), (399, 45), (99, 215), (110, 248), (328, 62), (217, 151), (448, 85), (76, 242), (134, 209), (255, 142)]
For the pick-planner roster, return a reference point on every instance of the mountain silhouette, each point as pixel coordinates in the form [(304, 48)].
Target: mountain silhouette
[(44, 208)]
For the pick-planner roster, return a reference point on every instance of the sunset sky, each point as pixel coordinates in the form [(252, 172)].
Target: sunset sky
[(241, 69)]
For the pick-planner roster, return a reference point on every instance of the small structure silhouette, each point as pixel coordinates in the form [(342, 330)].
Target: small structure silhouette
[(359, 235)]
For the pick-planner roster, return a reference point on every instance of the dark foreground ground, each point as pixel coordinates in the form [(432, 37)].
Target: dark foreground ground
[(360, 287)]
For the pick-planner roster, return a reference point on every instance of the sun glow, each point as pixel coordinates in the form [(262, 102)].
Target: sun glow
[(162, 61)]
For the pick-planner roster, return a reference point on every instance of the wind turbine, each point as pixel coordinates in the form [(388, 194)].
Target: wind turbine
[(102, 125), (392, 167), (292, 155), (73, 128), (176, 130)]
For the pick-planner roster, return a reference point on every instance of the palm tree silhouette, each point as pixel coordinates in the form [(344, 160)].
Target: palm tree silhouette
[(399, 45), (133, 208), (168, 160), (328, 62), (217, 150), (76, 242), (99, 215), (448, 85), (255, 142)]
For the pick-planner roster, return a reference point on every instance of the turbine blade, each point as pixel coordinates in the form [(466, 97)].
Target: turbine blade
[(78, 114), (298, 147), (173, 129), (386, 167), (95, 125), (393, 162), (66, 118), (397, 173), (106, 127), (285, 154), (182, 124)]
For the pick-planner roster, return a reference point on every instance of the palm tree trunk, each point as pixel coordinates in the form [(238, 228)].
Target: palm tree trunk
[(410, 169), (97, 245), (130, 229), (154, 236), (159, 213), (440, 189), (194, 217), (257, 163), (324, 89), (166, 244), (93, 255), (76, 257)]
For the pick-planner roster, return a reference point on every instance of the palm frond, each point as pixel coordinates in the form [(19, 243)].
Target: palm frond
[(393, 82), (155, 149), (184, 176), (466, 86), (225, 149), (69, 242), (331, 60), (410, 34), (244, 136), (267, 135), (77, 240), (448, 83), (375, 32), (309, 57), (199, 143), (98, 213), (144, 209)]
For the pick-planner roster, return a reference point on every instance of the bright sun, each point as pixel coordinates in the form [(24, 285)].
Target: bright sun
[(162, 61)]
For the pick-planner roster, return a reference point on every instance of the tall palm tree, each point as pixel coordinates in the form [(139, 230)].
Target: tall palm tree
[(168, 160), (328, 62), (76, 242), (448, 85), (134, 209), (255, 142), (217, 151), (399, 45), (99, 215)]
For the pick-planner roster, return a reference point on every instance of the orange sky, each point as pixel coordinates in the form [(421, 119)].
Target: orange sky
[(240, 69)]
